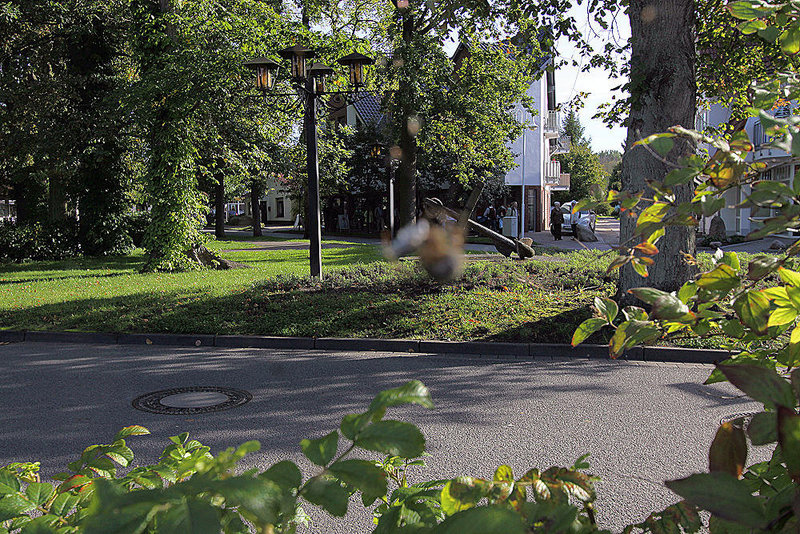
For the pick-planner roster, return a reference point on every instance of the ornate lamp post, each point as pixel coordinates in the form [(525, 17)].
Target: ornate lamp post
[(309, 82)]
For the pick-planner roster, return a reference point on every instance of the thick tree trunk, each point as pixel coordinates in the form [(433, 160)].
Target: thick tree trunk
[(219, 207), (663, 94), (255, 196), (406, 177)]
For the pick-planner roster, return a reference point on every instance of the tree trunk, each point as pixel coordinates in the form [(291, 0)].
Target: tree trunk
[(255, 195), (406, 177), (664, 94), (219, 207), (57, 198)]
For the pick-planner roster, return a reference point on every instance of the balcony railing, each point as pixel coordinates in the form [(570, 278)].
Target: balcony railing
[(552, 172), (552, 124)]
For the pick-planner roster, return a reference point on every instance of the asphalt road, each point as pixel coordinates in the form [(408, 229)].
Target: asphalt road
[(642, 422)]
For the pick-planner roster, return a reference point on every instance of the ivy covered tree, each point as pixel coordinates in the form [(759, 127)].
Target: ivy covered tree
[(192, 86)]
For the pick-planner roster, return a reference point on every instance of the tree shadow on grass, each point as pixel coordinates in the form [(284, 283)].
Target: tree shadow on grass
[(127, 262)]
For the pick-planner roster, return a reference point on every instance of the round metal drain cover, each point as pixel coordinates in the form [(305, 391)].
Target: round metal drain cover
[(199, 399), (734, 416)]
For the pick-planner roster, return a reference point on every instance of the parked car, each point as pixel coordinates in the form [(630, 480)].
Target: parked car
[(570, 218)]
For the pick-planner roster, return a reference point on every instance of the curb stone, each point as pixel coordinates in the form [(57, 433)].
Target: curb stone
[(203, 340), (367, 344), (264, 342), (481, 349), (71, 337)]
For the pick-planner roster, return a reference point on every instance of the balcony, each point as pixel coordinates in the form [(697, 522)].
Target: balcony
[(552, 124), (562, 145), (554, 179)]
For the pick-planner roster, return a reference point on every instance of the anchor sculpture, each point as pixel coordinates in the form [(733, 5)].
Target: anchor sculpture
[(504, 245)]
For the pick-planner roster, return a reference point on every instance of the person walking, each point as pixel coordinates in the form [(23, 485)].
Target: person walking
[(556, 220)]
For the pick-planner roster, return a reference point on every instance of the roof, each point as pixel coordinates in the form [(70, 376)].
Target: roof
[(511, 49), (368, 107)]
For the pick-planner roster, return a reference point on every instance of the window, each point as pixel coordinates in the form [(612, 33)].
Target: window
[(279, 208)]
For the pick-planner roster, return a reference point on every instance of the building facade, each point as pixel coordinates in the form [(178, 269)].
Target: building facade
[(536, 173), (779, 166)]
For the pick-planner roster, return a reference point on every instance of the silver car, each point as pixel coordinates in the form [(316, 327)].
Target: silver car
[(573, 218)]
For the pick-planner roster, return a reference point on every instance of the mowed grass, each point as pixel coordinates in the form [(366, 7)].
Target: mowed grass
[(361, 296)]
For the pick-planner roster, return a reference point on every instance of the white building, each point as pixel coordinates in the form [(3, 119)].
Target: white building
[(536, 173), (780, 166)]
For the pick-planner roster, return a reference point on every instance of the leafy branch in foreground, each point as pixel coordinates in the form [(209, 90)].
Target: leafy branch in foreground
[(190, 490)]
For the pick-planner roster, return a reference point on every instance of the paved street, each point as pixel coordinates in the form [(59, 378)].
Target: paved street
[(642, 422)]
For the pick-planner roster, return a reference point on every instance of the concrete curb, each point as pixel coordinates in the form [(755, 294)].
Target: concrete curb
[(482, 349)]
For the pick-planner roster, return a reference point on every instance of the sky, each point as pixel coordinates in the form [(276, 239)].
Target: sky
[(596, 82)]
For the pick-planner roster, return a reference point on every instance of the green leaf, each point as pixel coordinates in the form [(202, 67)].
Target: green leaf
[(329, 494), (632, 333), (763, 428), (414, 392), (683, 175), (362, 475), (722, 278), (761, 267), (752, 26), (353, 424), (483, 520), (789, 277), (586, 329), (670, 308), (39, 492), (747, 10), (760, 384), (770, 34), (284, 474), (752, 308), (789, 440), (392, 437), (321, 451), (607, 308), (15, 505), (648, 295), (731, 259), (728, 451), (133, 430), (660, 142), (634, 313), (64, 504), (687, 291), (462, 494), (789, 40), (723, 495), (8, 482), (782, 316), (190, 517)]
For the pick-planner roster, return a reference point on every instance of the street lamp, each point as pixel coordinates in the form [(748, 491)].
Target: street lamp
[(310, 84)]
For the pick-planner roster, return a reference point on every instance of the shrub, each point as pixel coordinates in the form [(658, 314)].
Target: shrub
[(36, 241), (189, 490), (135, 226)]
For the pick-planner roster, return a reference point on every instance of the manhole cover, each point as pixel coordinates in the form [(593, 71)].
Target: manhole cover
[(200, 399), (735, 416)]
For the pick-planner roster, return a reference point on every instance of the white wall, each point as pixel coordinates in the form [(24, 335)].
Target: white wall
[(529, 147)]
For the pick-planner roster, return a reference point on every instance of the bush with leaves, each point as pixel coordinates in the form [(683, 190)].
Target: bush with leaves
[(189, 490), (758, 320)]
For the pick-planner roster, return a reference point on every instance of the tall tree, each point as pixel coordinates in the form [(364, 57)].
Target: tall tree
[(422, 74), (663, 94), (571, 127)]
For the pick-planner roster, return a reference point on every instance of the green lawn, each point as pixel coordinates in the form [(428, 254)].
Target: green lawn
[(361, 296)]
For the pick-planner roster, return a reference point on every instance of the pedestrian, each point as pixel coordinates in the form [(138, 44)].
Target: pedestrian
[(501, 212), (556, 220), (512, 210)]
